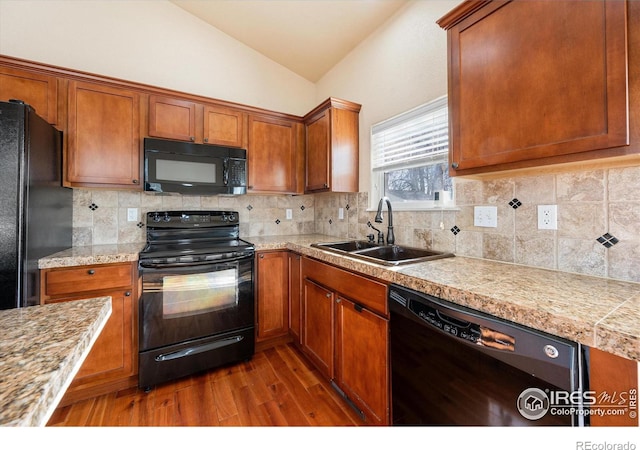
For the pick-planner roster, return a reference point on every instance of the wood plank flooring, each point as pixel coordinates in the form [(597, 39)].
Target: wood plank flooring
[(278, 387)]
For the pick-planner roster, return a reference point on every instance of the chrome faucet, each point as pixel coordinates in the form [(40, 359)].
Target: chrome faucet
[(390, 238)]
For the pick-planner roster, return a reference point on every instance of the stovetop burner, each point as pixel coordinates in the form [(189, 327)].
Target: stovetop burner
[(192, 236)]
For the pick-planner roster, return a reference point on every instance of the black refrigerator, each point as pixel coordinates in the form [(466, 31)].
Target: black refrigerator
[(35, 209)]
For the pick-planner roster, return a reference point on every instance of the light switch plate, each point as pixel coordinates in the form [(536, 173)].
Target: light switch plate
[(132, 214), (289, 214), (485, 216)]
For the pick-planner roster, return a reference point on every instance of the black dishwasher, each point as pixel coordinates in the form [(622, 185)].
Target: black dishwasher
[(451, 365)]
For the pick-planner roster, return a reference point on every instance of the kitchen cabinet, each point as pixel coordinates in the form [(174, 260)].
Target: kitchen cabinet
[(614, 382), (295, 296), (35, 89), (272, 294), (332, 147), (275, 154), (186, 120), (103, 144), (113, 361), (536, 83), (345, 333)]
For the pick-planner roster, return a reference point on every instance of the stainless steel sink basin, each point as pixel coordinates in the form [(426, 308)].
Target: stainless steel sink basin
[(389, 255)]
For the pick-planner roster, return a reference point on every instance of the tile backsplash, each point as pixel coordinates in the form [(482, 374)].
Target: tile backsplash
[(598, 214)]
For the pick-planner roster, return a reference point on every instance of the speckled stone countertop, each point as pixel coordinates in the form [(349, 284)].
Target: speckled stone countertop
[(598, 312), (41, 350), (92, 254)]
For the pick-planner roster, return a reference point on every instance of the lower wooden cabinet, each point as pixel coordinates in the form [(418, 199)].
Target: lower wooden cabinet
[(614, 381), (345, 333), (112, 363), (272, 294)]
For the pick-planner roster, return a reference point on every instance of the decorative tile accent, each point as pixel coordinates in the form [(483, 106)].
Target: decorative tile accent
[(93, 207), (249, 207), (608, 240), (140, 225), (455, 230), (515, 203), (277, 221), (330, 221), (302, 208), (347, 207)]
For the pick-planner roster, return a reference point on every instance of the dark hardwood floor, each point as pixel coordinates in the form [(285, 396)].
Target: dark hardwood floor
[(278, 387)]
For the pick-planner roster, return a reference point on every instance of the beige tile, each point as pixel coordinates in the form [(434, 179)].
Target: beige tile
[(581, 220), (581, 186), (624, 184), (581, 256), (497, 247)]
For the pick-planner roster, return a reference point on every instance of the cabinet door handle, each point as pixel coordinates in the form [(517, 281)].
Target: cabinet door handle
[(261, 256), (91, 271), (192, 138), (357, 307), (206, 139), (454, 165), (135, 181), (127, 294), (328, 295)]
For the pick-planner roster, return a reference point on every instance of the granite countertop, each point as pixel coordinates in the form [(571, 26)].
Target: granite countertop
[(598, 312), (49, 343)]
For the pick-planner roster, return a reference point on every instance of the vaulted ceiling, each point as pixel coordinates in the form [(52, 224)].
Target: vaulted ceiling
[(308, 37)]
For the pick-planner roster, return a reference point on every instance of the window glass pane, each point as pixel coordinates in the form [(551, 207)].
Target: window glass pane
[(417, 183)]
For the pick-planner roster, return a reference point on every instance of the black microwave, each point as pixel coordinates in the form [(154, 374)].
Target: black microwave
[(196, 169)]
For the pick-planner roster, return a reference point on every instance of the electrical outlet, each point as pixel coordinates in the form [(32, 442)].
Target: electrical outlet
[(289, 214), (341, 213), (485, 216), (547, 217), (132, 214)]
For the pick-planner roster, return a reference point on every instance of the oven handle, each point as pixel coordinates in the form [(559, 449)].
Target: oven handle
[(214, 262), (199, 349)]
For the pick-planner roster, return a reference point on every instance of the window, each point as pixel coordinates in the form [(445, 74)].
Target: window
[(409, 158)]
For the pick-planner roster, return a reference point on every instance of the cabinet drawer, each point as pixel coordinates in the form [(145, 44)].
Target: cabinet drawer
[(364, 291), (66, 281)]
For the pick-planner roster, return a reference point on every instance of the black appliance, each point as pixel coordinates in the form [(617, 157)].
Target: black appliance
[(197, 303), (452, 365), (195, 169), (36, 211)]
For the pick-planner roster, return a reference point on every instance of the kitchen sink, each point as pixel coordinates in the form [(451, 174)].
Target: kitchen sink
[(389, 255)]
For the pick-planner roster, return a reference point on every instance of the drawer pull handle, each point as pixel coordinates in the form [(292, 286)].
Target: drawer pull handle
[(91, 271)]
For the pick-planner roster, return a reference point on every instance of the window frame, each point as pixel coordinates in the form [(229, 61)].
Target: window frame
[(377, 175)]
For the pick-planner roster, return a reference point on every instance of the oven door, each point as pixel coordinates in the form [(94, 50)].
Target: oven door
[(185, 302)]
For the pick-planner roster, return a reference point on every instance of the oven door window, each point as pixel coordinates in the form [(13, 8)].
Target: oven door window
[(199, 293), (183, 303)]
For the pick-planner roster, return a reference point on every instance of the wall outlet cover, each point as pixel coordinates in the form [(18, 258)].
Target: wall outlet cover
[(547, 217)]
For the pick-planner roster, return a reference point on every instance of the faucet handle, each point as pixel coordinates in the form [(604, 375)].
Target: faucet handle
[(371, 237)]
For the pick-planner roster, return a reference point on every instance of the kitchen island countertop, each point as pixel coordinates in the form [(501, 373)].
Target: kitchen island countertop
[(41, 350)]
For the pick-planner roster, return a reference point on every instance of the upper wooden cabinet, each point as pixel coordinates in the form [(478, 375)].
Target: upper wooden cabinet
[(103, 136), (185, 120), (275, 154), (40, 91), (332, 147), (535, 82)]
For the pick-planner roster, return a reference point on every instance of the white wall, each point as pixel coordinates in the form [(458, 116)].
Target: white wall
[(402, 65), (152, 42)]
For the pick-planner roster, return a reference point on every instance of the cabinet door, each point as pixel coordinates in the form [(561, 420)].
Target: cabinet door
[(112, 354), (362, 359), (295, 296), (172, 118), (317, 326), (38, 90), (224, 126), (318, 153), (534, 80), (272, 294), (614, 382), (103, 146), (274, 155)]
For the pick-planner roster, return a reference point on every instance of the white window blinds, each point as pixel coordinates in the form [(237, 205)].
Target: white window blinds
[(414, 138)]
